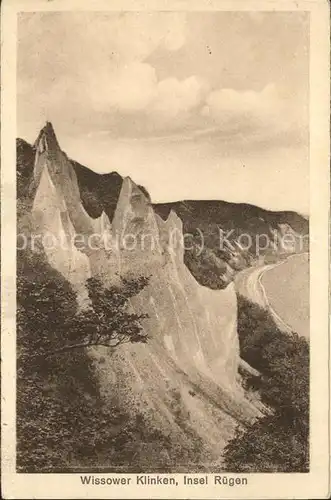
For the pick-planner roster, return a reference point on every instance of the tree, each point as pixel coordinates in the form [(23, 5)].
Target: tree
[(47, 303), (61, 418), (279, 441), (107, 321)]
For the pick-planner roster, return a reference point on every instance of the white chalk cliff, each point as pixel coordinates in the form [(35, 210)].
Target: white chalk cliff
[(193, 348)]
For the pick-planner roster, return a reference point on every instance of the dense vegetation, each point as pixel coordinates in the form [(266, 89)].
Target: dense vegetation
[(61, 419), (280, 440)]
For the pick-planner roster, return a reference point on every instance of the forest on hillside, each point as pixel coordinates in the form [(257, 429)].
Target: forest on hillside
[(278, 442)]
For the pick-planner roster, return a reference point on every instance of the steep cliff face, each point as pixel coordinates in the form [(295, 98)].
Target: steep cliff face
[(192, 355), (186, 315), (185, 380), (71, 238)]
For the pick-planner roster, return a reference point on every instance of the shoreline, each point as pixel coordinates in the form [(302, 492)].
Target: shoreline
[(278, 320), (249, 284)]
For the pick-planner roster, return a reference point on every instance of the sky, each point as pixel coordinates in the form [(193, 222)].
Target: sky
[(203, 105)]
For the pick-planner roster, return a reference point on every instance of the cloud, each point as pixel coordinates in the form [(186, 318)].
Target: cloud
[(268, 112), (129, 89), (135, 35), (174, 97), (112, 71), (176, 32), (226, 106), (134, 88), (97, 66)]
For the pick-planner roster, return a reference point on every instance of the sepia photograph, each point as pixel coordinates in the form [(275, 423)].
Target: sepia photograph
[(164, 227)]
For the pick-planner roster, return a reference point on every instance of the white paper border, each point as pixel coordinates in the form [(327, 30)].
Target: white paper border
[(316, 483)]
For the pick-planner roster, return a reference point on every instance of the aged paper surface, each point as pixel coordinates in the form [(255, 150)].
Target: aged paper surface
[(165, 227)]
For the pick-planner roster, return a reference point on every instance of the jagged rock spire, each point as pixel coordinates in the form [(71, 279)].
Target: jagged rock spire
[(46, 140)]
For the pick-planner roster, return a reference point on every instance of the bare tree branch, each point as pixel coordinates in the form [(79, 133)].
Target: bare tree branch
[(76, 346)]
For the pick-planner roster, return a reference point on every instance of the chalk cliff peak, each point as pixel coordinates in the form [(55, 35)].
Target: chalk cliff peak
[(134, 216), (47, 139), (98, 192)]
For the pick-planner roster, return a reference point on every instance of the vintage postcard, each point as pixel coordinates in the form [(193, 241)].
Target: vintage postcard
[(165, 249)]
